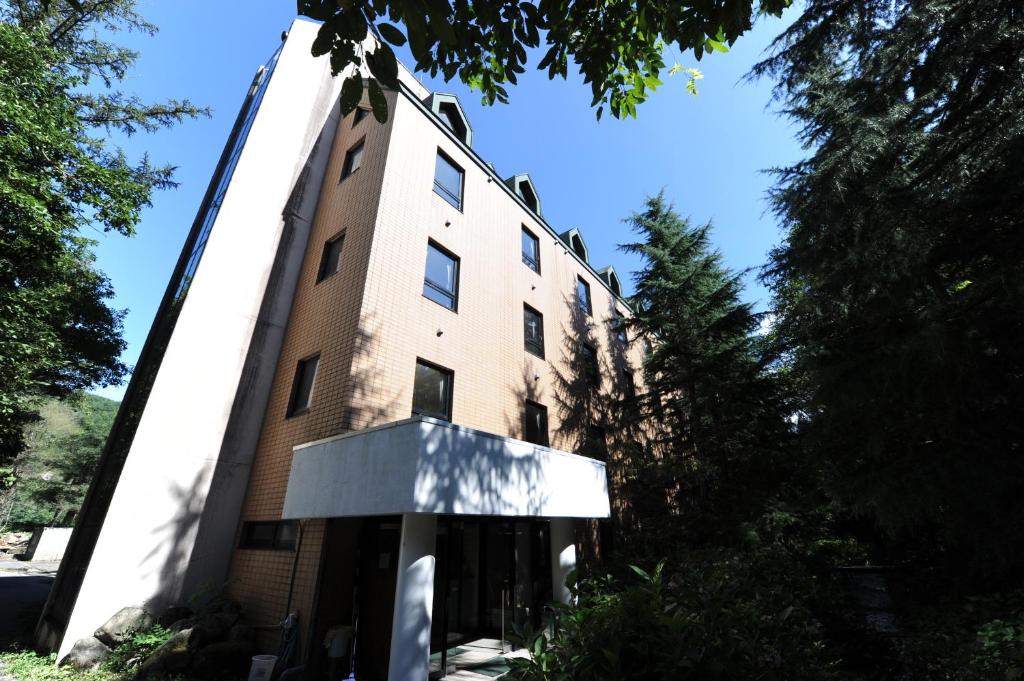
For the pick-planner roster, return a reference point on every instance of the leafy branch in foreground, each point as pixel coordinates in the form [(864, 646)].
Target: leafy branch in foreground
[(617, 45)]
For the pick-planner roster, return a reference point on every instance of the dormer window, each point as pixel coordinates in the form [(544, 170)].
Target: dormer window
[(612, 279), (522, 185), (449, 112), (577, 246)]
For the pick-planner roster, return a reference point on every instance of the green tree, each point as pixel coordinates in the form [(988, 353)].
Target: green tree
[(900, 284), (61, 174), (618, 45), (53, 472), (711, 381)]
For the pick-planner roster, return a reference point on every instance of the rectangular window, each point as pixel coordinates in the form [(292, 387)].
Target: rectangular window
[(273, 534), (533, 331), (629, 384), (448, 180), (583, 296), (535, 423), (353, 159), (588, 359), (618, 323), (360, 115), (432, 391), (531, 250), (595, 446), (441, 280), (302, 385), (330, 258)]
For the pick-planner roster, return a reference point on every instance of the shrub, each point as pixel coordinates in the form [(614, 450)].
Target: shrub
[(130, 654), (719, 614)]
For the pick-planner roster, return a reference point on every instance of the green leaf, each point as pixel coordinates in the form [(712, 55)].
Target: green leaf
[(716, 45), (351, 93), (640, 572), (391, 34), (378, 102), (383, 65)]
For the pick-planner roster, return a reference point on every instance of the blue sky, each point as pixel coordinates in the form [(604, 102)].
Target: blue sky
[(707, 152)]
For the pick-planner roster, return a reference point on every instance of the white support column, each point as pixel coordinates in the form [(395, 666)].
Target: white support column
[(563, 557), (414, 598)]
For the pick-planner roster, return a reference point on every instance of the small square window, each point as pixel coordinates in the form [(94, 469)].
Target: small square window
[(589, 367), (533, 331), (432, 391), (330, 258), (353, 159), (535, 423), (302, 385), (448, 179), (273, 534), (583, 296), (441, 280), (531, 250), (361, 113)]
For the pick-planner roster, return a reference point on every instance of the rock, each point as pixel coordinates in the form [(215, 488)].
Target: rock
[(223, 660), (87, 653), (173, 656), (123, 624), (242, 632), (174, 614), (212, 628), (182, 624)]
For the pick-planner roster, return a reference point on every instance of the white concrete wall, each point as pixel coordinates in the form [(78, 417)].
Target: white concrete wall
[(146, 542), (51, 543), (423, 465)]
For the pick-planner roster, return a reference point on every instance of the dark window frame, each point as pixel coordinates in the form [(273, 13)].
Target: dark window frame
[(347, 170), (526, 420), (596, 447), (533, 264), (279, 542), (444, 192), (589, 307), (527, 345), (293, 408), (437, 287), (322, 272), (359, 115), (592, 365), (449, 393)]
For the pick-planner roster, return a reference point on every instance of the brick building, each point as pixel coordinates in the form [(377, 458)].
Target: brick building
[(372, 393)]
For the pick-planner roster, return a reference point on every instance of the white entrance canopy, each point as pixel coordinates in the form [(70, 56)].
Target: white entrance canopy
[(425, 465)]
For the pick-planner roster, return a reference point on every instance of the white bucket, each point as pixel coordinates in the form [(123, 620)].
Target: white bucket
[(262, 667)]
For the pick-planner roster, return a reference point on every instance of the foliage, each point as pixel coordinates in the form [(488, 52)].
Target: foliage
[(714, 614), (899, 286), (60, 176), (52, 474), (30, 666), (129, 655), (618, 46), (723, 435)]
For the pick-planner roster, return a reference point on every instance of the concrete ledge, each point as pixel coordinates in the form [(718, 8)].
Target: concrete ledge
[(424, 465)]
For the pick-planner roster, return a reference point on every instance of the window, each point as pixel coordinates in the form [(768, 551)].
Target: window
[(576, 241), (619, 326), (588, 359), (529, 196), (353, 158), (533, 331), (274, 534), (595, 445), (441, 281), (448, 180), (330, 258), (432, 391), (531, 250), (302, 386), (535, 423), (583, 296), (629, 384), (360, 115)]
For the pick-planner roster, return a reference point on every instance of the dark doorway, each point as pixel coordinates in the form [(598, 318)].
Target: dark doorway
[(378, 572)]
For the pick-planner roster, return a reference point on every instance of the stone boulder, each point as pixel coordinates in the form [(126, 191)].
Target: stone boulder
[(212, 628), (172, 657), (174, 614), (123, 624), (226, 659), (87, 653)]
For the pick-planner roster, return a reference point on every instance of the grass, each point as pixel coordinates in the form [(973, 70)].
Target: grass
[(29, 666)]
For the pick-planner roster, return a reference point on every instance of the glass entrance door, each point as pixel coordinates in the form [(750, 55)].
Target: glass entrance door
[(490, 573)]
